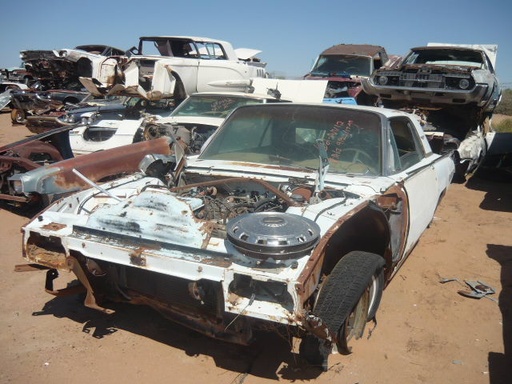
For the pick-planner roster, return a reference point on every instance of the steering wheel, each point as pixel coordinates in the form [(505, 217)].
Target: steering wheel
[(356, 155)]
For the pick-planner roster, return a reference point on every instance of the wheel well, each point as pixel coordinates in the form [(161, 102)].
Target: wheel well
[(367, 231), (180, 93), (84, 67)]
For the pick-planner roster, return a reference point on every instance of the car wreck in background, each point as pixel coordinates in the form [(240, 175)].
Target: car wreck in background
[(344, 66), (193, 121), (16, 75), (199, 116), (99, 130), (175, 66), (47, 183), (293, 215), (457, 76), (30, 106), (56, 82), (91, 110), (28, 154), (61, 69), (453, 86)]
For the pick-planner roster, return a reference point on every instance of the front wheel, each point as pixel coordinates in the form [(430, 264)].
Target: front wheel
[(349, 297)]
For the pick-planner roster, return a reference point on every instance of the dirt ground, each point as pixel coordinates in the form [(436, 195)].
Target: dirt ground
[(426, 331)]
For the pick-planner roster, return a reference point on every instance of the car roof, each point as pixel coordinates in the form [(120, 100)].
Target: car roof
[(195, 38), (386, 112), (353, 49), (235, 94)]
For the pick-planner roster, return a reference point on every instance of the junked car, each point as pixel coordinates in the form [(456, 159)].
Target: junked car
[(193, 121), (28, 154), (61, 68), (175, 66), (444, 75), (454, 87), (30, 105), (448, 131), (49, 182), (293, 215), (344, 65), (196, 118), (92, 109), (16, 75), (99, 130)]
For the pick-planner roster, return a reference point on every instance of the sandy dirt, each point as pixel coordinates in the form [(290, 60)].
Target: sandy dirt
[(426, 331)]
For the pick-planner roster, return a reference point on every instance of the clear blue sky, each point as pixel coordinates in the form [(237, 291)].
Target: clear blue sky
[(290, 33)]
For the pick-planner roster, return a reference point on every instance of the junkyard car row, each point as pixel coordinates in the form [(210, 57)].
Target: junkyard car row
[(245, 203)]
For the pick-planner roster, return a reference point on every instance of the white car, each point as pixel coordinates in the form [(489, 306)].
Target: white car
[(293, 215), (193, 121), (175, 66), (103, 131)]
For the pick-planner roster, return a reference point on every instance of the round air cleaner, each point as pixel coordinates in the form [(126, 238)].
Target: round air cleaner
[(276, 235)]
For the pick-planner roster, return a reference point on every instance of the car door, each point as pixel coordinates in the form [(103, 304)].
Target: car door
[(214, 66), (417, 171)]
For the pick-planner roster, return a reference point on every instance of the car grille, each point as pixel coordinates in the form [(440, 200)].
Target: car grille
[(422, 79)]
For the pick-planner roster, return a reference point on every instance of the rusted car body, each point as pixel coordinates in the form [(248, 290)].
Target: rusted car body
[(16, 75), (344, 65), (293, 215), (91, 110), (454, 87), (442, 75), (50, 182), (31, 153), (30, 106), (61, 68), (175, 66)]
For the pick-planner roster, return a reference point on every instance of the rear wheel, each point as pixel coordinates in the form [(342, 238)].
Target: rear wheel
[(18, 116), (349, 297)]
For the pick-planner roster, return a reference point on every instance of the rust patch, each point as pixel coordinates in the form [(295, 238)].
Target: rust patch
[(136, 257), (54, 226), (48, 258)]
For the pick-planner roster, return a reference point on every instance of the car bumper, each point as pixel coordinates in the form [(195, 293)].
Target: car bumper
[(477, 95)]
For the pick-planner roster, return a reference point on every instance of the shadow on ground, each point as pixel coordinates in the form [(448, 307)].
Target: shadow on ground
[(498, 188), (268, 357), (500, 364)]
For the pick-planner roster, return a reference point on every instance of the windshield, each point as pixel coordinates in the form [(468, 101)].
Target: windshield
[(288, 134), (462, 57), (212, 105), (339, 65)]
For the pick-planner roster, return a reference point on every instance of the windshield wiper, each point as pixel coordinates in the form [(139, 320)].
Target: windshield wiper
[(322, 171)]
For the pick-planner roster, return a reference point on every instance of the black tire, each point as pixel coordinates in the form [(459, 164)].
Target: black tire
[(349, 297), (139, 136)]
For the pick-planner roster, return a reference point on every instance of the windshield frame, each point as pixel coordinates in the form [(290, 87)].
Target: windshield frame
[(287, 135), (333, 66)]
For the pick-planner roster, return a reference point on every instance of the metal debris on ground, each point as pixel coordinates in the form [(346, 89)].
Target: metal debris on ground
[(478, 290)]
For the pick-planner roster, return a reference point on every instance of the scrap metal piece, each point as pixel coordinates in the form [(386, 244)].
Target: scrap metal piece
[(29, 267), (478, 289)]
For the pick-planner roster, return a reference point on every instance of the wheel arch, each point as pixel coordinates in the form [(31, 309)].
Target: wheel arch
[(367, 231), (180, 92), (366, 228)]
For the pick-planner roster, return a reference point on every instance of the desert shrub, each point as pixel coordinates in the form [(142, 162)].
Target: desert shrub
[(504, 125), (505, 106)]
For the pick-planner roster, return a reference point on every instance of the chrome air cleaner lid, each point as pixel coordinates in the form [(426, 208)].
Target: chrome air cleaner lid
[(274, 235)]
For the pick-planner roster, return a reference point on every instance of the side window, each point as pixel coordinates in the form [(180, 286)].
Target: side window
[(407, 148), (211, 51)]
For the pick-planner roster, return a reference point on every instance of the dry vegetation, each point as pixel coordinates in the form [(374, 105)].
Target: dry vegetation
[(503, 114)]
